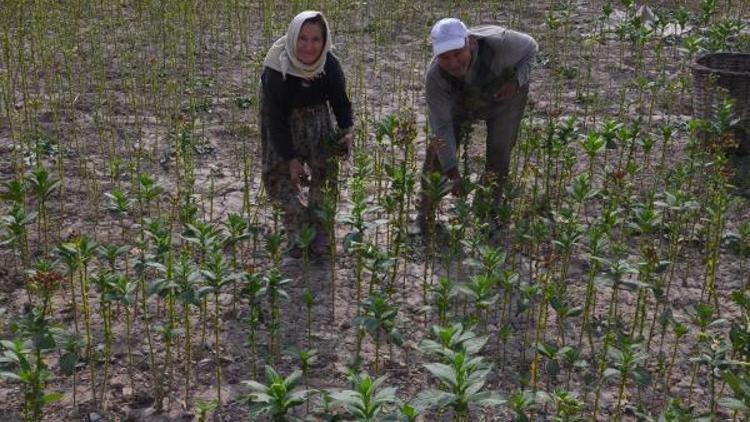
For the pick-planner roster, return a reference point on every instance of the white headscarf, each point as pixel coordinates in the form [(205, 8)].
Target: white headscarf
[(282, 54)]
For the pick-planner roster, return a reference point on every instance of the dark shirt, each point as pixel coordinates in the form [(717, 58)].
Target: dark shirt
[(281, 95)]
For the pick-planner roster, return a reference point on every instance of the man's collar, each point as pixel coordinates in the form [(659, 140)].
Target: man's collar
[(474, 64)]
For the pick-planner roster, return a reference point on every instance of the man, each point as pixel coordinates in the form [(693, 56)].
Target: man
[(481, 73)]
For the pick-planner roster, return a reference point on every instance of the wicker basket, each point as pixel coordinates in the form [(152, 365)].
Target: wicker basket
[(730, 71)]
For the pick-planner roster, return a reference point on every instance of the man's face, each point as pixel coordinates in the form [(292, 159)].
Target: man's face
[(456, 62)]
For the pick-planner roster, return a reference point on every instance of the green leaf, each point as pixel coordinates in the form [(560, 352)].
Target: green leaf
[(611, 373), (574, 312), (488, 398), (474, 387), (552, 368), (43, 341), (206, 290), (52, 397), (428, 346), (299, 397), (442, 372), (733, 404), (614, 354), (9, 375), (641, 377), (348, 398), (256, 386), (292, 379), (474, 345), (387, 395), (68, 363), (431, 399), (8, 344), (396, 337), (260, 398), (717, 323)]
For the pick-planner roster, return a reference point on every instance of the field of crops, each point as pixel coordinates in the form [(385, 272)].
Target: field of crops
[(143, 274)]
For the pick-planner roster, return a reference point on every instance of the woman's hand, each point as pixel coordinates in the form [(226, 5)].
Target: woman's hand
[(297, 172)]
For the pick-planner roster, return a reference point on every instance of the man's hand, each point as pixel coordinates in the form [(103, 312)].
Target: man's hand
[(455, 176), (347, 140), (297, 172), (507, 91)]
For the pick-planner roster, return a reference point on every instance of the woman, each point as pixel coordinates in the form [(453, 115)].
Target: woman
[(301, 83)]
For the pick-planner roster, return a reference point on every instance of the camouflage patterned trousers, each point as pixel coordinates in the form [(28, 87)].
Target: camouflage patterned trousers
[(309, 127)]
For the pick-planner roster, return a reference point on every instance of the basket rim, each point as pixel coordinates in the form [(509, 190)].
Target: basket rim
[(696, 66)]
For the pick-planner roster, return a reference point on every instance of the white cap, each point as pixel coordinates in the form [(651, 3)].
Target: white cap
[(448, 34)]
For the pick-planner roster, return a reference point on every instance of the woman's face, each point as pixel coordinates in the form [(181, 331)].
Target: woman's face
[(309, 43)]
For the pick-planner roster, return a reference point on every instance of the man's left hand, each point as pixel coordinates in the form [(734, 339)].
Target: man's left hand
[(507, 91), (347, 140)]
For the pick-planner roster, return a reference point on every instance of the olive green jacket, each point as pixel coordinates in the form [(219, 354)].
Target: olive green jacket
[(498, 56)]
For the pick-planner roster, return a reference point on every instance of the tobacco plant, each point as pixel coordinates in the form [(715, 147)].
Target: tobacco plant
[(24, 359), (81, 251), (42, 185), (122, 290), (273, 289), (461, 380), (216, 275), (277, 397), (367, 399)]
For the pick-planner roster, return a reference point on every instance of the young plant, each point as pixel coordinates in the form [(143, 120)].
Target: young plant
[(17, 221), (327, 215), (216, 275), (367, 399), (378, 318), (236, 231), (305, 358), (36, 336), (203, 408), (568, 407), (481, 290), (28, 367), (525, 402), (252, 292), (442, 298), (451, 339), (122, 290), (304, 241), (43, 185), (434, 188), (118, 204), (627, 365), (70, 346), (462, 380), (102, 282), (273, 289), (277, 397), (82, 250)]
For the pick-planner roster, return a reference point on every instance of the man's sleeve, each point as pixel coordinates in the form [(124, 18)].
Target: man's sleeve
[(514, 49), (275, 111), (528, 47), (440, 116)]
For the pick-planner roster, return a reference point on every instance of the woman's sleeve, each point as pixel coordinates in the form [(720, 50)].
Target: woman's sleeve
[(275, 113), (342, 107)]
